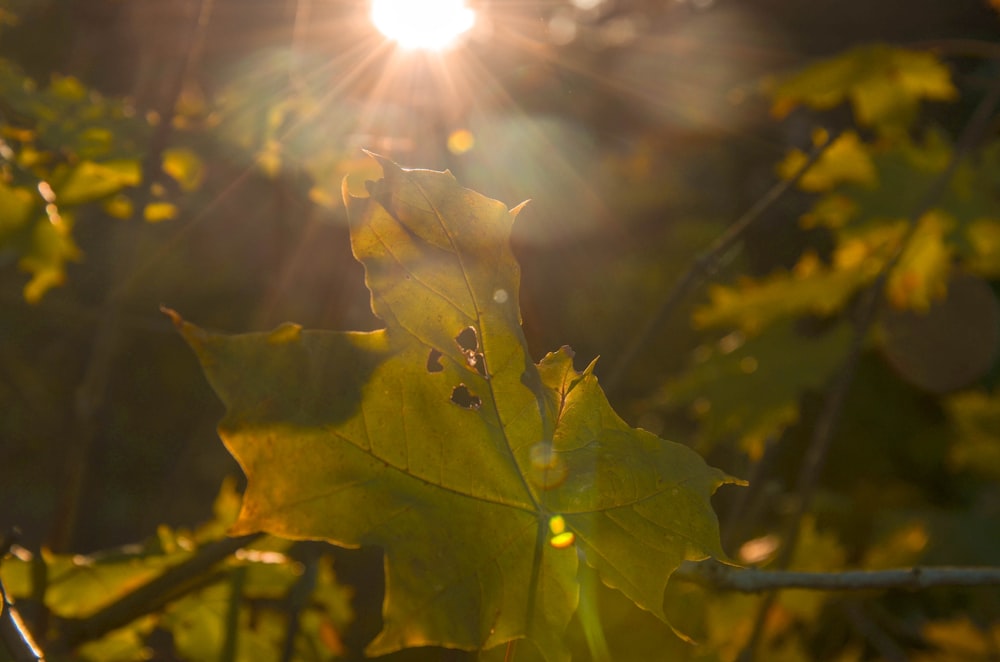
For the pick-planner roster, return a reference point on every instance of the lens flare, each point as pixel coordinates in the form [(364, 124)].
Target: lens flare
[(431, 25)]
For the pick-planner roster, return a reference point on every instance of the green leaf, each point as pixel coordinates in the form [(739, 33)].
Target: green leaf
[(16, 207), (976, 444), (723, 387), (482, 475)]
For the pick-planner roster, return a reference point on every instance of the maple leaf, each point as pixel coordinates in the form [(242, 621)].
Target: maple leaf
[(483, 476)]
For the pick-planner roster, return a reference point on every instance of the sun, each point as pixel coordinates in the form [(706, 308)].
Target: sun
[(431, 25)]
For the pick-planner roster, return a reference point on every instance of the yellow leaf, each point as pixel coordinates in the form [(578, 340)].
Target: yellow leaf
[(119, 206), (159, 211), (921, 275), (847, 159), (185, 167)]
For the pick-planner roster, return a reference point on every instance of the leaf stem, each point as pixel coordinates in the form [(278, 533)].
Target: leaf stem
[(536, 572)]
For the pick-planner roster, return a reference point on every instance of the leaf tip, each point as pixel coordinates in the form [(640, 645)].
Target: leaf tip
[(515, 210), (174, 316)]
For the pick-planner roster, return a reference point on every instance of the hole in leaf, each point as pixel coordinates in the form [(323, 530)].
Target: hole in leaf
[(434, 361), (476, 361), (468, 340), (462, 397)]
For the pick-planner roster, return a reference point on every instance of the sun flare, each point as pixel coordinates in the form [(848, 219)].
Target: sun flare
[(431, 25)]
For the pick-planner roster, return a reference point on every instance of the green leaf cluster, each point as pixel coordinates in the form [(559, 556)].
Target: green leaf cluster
[(64, 150)]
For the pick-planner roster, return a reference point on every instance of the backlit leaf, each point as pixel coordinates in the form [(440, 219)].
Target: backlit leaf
[(439, 440)]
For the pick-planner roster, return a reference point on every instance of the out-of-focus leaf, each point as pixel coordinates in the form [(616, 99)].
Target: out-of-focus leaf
[(901, 547), (16, 207), (976, 444), (88, 181), (185, 167), (960, 640), (440, 428), (76, 586), (750, 388), (51, 247), (263, 575), (127, 644), (156, 212), (884, 85), (847, 159), (921, 275), (810, 288), (118, 206)]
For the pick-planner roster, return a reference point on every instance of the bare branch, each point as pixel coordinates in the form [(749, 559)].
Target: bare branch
[(751, 580)]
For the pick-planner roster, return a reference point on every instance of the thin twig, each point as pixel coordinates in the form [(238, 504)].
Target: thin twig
[(237, 582), (14, 635), (704, 265), (718, 576)]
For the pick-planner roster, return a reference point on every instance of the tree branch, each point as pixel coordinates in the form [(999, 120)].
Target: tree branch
[(715, 575)]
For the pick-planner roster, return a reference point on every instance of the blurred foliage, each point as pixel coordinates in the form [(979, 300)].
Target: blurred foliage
[(247, 601), (639, 134)]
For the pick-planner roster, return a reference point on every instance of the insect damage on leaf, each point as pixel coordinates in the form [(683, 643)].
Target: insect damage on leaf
[(468, 342), (344, 437), (461, 396), (434, 361)]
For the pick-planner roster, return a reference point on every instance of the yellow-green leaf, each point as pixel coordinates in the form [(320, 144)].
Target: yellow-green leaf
[(847, 159), (50, 248), (88, 180), (440, 441), (884, 85), (812, 287)]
